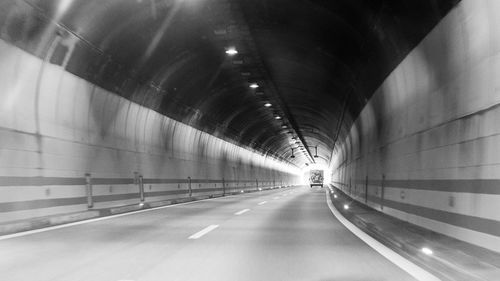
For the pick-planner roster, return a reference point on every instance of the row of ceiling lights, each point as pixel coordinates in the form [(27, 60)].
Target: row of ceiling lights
[(231, 51)]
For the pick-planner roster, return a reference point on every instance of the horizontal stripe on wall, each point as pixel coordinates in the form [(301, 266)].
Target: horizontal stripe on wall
[(107, 181), (43, 181), (183, 191), (470, 222), (41, 203), (39, 181), (169, 192), (491, 186), (479, 224)]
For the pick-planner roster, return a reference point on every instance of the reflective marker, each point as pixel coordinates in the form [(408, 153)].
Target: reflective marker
[(427, 251), (346, 206), (231, 51), (334, 195), (204, 231)]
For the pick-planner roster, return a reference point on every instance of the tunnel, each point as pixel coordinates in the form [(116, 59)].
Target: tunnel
[(177, 139)]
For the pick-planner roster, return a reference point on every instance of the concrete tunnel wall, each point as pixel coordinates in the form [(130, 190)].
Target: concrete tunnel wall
[(425, 149), (55, 128)]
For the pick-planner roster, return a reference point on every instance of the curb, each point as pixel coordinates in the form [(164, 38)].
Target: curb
[(446, 268)]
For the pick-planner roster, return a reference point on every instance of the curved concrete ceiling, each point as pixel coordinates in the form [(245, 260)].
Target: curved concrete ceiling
[(316, 61)]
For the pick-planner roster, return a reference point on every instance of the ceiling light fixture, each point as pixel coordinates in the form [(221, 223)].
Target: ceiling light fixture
[(277, 117), (254, 85), (267, 104)]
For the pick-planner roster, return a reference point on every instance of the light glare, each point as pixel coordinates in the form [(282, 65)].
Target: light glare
[(231, 51), (427, 251)]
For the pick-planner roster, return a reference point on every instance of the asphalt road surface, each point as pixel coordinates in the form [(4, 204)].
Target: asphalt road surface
[(285, 234)]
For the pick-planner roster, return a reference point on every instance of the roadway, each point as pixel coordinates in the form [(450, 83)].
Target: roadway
[(285, 234)]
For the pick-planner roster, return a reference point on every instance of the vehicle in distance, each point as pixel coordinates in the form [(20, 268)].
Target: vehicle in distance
[(316, 178)]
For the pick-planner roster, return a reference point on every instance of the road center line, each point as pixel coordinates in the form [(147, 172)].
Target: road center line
[(203, 231), (263, 202), (242, 212)]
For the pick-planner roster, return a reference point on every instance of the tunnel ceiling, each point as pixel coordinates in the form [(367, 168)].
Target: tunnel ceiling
[(316, 61)]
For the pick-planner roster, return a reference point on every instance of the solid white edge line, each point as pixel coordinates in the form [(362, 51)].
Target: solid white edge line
[(242, 212), (263, 202), (406, 265), (203, 231)]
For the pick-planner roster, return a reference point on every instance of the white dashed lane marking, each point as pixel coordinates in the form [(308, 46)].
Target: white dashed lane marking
[(242, 212), (203, 231)]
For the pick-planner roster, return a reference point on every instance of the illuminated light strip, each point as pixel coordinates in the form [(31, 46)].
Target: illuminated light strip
[(414, 270), (242, 212), (204, 231)]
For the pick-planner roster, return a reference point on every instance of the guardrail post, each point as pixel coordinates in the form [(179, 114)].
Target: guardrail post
[(366, 190), (382, 193), (189, 186), (88, 187), (141, 188), (223, 187), (138, 181), (350, 190), (256, 184)]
